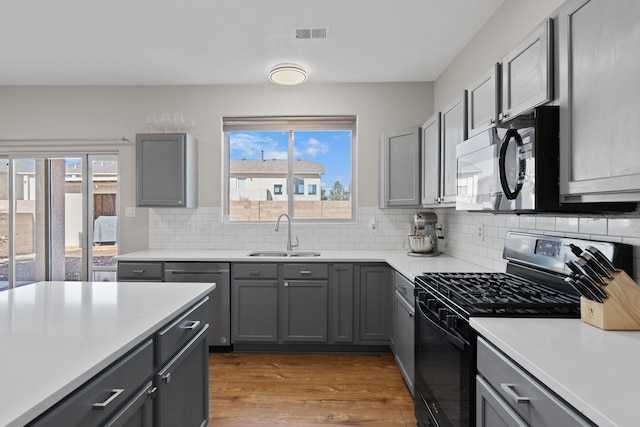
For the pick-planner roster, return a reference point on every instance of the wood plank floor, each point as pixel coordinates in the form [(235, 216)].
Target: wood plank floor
[(282, 389)]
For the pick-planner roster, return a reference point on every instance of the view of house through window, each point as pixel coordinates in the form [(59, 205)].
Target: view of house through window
[(302, 166)]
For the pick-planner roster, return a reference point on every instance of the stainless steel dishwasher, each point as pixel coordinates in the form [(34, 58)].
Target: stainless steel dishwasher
[(219, 298)]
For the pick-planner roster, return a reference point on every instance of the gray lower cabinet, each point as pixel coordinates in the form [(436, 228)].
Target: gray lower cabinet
[(404, 328), (599, 108), (190, 271), (341, 292), (304, 309), (508, 396), (162, 382), (99, 400), (375, 298), (254, 303), (183, 383)]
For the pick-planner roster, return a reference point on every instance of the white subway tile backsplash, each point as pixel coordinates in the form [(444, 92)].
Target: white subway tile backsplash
[(203, 228), (593, 226)]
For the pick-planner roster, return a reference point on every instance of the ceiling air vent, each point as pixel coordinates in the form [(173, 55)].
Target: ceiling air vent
[(311, 33)]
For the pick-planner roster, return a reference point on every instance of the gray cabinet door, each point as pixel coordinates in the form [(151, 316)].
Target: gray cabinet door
[(431, 173), (599, 87), (254, 312), (341, 305), (483, 102), (166, 170), (304, 310), (401, 167), (138, 412), (183, 386), (491, 410), (527, 72), (453, 131), (375, 304)]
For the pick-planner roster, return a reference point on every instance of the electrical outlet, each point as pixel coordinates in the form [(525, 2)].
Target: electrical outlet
[(481, 231)]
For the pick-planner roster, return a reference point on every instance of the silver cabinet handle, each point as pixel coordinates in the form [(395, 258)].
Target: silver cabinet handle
[(114, 394), (286, 284), (508, 388), (167, 378), (254, 273), (305, 272), (191, 324), (138, 271)]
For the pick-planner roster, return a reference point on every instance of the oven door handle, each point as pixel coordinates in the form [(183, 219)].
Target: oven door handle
[(455, 340)]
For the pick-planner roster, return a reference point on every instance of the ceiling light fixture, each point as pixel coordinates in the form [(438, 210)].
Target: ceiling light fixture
[(288, 74)]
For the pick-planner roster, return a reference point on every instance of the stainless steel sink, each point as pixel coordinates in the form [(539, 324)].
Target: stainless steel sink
[(283, 254), (303, 254)]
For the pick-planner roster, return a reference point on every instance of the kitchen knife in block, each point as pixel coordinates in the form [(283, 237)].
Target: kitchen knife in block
[(621, 311)]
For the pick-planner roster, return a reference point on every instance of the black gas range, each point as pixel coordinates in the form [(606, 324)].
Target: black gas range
[(534, 285)]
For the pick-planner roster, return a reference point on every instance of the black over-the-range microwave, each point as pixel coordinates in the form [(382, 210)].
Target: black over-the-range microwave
[(514, 168)]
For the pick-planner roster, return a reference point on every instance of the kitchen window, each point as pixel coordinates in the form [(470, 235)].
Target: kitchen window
[(280, 157)]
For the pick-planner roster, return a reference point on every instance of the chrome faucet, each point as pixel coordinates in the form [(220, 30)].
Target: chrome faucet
[(290, 245)]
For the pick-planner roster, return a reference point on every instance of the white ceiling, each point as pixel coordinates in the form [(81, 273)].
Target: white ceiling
[(181, 42)]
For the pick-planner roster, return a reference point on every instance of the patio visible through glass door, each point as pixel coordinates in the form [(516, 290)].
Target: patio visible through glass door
[(55, 223)]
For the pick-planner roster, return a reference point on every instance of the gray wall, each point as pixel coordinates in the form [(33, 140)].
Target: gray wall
[(54, 112)]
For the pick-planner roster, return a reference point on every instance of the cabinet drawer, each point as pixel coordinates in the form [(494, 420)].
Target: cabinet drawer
[(97, 400), (305, 271), (254, 271), (404, 287), (537, 405), (181, 330), (140, 271)]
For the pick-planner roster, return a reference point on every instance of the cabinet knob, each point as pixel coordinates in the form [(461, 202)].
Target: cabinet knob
[(286, 284)]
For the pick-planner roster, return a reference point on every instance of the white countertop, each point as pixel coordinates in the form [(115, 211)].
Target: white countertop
[(54, 336), (596, 371), (409, 266)]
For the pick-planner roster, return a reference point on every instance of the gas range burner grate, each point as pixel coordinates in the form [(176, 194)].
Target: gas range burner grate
[(495, 293)]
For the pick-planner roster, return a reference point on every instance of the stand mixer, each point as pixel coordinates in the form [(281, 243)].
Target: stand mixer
[(423, 241)]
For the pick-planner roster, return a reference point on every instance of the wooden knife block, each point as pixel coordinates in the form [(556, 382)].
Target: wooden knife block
[(620, 311)]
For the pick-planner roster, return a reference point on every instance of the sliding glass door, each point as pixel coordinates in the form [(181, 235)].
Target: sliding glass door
[(56, 213)]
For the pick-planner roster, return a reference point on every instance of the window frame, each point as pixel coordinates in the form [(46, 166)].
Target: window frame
[(290, 124)]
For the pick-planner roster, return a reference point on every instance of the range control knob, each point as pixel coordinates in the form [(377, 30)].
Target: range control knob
[(442, 314), (452, 321), (431, 304)]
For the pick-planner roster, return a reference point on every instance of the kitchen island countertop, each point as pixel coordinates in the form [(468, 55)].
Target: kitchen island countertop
[(595, 371), (55, 336)]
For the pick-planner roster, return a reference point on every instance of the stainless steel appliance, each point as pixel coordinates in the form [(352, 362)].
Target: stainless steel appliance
[(219, 299), (423, 241), (514, 167), (533, 286)]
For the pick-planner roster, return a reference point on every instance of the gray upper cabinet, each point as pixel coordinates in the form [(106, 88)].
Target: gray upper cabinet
[(453, 131), (527, 72), (483, 102), (166, 170), (599, 88), (431, 174), (400, 168)]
